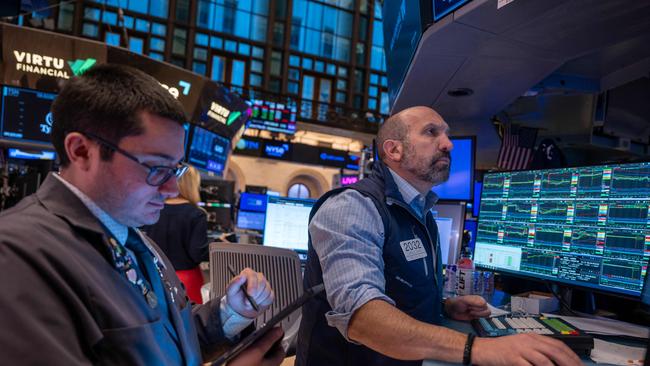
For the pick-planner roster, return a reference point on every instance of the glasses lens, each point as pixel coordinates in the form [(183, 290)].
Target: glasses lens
[(158, 175)]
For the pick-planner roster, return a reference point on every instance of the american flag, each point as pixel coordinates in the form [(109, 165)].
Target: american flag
[(517, 147)]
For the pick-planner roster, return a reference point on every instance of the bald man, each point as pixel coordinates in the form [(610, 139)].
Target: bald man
[(374, 246)]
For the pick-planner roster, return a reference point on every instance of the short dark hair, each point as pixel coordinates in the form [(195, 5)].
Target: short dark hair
[(107, 101)]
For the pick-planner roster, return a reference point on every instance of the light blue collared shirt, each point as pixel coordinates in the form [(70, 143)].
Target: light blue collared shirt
[(231, 321), (119, 231), (347, 233)]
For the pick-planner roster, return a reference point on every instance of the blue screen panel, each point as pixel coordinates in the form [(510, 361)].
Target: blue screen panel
[(250, 220), (208, 150), (461, 174), (252, 202)]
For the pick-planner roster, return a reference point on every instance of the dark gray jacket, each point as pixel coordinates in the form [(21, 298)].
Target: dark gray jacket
[(62, 302)]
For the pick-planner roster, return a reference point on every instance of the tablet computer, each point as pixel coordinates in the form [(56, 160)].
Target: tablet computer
[(248, 340)]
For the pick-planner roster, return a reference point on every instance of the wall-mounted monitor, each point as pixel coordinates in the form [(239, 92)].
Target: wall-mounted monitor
[(583, 226), (450, 219), (208, 150), (26, 114), (250, 220), (287, 221), (461, 175)]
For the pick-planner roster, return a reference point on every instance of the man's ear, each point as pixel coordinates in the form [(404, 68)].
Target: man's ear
[(393, 150), (79, 151)]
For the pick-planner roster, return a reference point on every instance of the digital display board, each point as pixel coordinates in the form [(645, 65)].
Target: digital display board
[(584, 226), (218, 109), (208, 150), (26, 114), (347, 179), (277, 150), (272, 116), (249, 146)]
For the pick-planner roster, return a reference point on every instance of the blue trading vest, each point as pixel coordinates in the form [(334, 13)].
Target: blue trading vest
[(414, 285)]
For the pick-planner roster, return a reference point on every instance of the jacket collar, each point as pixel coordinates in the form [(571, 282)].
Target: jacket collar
[(60, 201), (382, 172)]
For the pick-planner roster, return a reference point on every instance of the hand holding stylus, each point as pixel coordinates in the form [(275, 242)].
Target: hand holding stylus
[(249, 293)]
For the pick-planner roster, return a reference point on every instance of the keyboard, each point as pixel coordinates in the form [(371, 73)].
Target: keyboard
[(578, 341)]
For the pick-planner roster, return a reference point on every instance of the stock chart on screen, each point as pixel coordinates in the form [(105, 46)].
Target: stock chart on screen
[(585, 226)]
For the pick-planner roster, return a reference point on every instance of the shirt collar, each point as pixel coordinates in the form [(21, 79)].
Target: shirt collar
[(119, 231), (412, 196)]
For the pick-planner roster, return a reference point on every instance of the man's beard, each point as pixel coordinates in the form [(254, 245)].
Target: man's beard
[(429, 171)]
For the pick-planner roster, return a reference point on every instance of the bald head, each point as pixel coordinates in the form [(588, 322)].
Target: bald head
[(397, 126), (415, 144)]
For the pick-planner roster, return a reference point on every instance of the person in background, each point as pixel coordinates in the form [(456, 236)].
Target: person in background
[(375, 247), (80, 284), (181, 233)]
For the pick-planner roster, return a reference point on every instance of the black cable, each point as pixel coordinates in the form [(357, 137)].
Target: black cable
[(563, 303)]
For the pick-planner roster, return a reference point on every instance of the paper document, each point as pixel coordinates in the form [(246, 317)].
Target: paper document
[(605, 326), (616, 354), (494, 311)]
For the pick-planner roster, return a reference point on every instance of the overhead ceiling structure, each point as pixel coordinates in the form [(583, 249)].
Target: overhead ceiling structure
[(499, 54)]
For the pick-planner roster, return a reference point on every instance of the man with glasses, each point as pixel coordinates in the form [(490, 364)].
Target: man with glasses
[(80, 284)]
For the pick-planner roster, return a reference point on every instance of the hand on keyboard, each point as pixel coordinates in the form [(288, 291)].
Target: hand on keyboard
[(522, 349)]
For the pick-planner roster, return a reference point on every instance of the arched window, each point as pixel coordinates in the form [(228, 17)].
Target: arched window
[(298, 190)]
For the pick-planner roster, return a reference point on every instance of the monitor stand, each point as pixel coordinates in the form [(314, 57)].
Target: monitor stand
[(582, 301)]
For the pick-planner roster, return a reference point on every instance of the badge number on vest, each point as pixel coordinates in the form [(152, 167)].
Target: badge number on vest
[(413, 249)]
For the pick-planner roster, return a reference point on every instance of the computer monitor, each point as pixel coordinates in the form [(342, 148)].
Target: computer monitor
[(252, 202), (217, 190), (208, 150), (26, 114), (584, 226), (251, 220), (450, 218), (287, 221), (461, 174)]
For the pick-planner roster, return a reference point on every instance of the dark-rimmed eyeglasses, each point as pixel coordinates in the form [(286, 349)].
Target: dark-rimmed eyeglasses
[(158, 174)]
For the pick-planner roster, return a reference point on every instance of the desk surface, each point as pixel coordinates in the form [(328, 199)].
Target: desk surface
[(465, 327)]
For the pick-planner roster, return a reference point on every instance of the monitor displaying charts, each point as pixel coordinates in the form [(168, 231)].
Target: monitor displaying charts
[(584, 226)]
